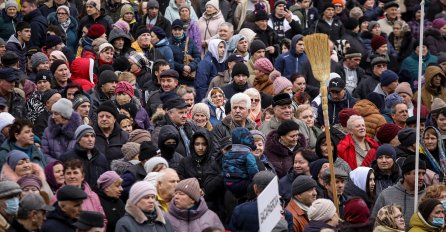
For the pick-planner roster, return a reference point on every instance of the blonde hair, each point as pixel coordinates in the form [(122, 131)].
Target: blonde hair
[(434, 191), (126, 76), (302, 108)]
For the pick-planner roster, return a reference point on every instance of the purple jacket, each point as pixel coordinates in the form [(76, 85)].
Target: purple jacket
[(193, 32), (58, 139), (192, 219)]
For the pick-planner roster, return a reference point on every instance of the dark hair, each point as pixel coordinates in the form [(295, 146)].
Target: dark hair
[(9, 56), (31, 2), (367, 185), (58, 31), (295, 76), (73, 164), (307, 154), (71, 85), (21, 26), (442, 112), (158, 63), (17, 127)]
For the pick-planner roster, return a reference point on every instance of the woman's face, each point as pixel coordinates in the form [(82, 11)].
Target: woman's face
[(74, 177), (255, 100), (307, 117), (189, 99), (122, 98), (200, 146), (288, 90), (200, 119), (299, 85), (218, 99), (23, 167), (364, 26), (128, 17), (430, 141), (259, 148), (301, 165), (385, 162), (184, 14), (443, 30), (319, 175), (126, 125), (399, 219), (372, 182), (25, 137), (58, 119), (182, 200), (324, 148), (397, 30), (11, 12), (221, 49), (369, 4), (62, 16), (210, 9), (107, 55), (114, 190), (290, 139), (62, 73), (30, 190), (58, 174), (437, 212)]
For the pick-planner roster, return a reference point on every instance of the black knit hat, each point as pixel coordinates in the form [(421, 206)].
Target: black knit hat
[(427, 206), (43, 75), (108, 106), (351, 24), (302, 184), (260, 15), (147, 150), (407, 136), (141, 31), (56, 65), (255, 46), (286, 127), (106, 77), (9, 58), (48, 94), (409, 164), (240, 68), (121, 64)]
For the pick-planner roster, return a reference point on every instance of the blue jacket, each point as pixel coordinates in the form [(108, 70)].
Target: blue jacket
[(239, 164), (71, 33), (245, 217), (177, 47), (163, 47), (14, 45), (290, 63), (334, 108), (208, 68)]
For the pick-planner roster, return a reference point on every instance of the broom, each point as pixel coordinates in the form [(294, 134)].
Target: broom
[(318, 52)]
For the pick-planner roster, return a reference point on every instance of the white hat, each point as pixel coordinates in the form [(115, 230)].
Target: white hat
[(6, 119)]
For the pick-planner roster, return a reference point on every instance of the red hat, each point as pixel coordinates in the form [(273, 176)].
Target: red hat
[(95, 31), (340, 2), (125, 87), (377, 42), (345, 114), (356, 211), (387, 132)]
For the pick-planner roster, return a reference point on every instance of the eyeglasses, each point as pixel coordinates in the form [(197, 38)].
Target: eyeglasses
[(338, 6), (255, 100), (61, 13)]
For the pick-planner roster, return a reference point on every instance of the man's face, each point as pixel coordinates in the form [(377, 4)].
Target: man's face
[(382, 50), (436, 80), (177, 32), (109, 87), (409, 178), (224, 33), (239, 111), (262, 24), (106, 120), (392, 12), (242, 46), (340, 186), (27, 8), (401, 114), (392, 86), (221, 49), (300, 47), (53, 99), (284, 112), (87, 141), (305, 4), (378, 69), (2, 50), (308, 196), (240, 79), (329, 13), (336, 95), (25, 34), (352, 63), (168, 183), (144, 40), (259, 54), (376, 30), (72, 208), (118, 43), (7, 86), (161, 69), (441, 122), (168, 84), (184, 14), (178, 116), (71, 92), (153, 12), (280, 10), (84, 109)]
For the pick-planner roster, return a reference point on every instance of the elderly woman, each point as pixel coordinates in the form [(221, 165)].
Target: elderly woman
[(306, 113), (264, 71), (21, 137), (262, 161), (201, 116), (255, 114), (216, 101), (190, 26), (188, 208), (389, 219), (429, 217), (110, 189), (173, 10), (433, 151), (357, 148), (54, 173), (362, 184), (59, 137), (31, 184), (387, 171), (67, 23), (209, 22)]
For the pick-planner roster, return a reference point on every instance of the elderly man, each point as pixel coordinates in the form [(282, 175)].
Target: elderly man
[(283, 110), (67, 210), (31, 214), (16, 103), (400, 114), (390, 16), (378, 66), (143, 44), (353, 73), (9, 200), (166, 182), (304, 193), (168, 80)]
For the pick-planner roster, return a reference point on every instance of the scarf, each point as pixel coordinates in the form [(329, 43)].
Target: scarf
[(439, 167), (301, 206), (65, 24), (254, 114), (360, 154)]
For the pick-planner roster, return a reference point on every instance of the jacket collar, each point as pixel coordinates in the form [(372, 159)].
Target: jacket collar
[(139, 215)]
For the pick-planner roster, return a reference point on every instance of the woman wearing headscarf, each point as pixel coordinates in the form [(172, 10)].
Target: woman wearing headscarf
[(216, 102), (54, 173), (256, 105), (389, 219), (433, 152), (362, 184), (434, 86)]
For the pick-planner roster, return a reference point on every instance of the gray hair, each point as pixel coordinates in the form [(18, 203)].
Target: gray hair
[(229, 25), (352, 119), (252, 92), (239, 97)]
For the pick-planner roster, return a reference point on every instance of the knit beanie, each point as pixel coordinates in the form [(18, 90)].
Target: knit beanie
[(260, 15), (255, 46), (48, 94), (345, 114), (327, 5), (190, 187), (130, 150), (107, 76), (9, 188), (386, 149), (82, 130), (125, 87), (321, 210), (280, 83), (110, 107), (95, 3), (356, 211), (278, 2), (11, 3), (404, 87), (351, 24), (52, 41), (126, 8), (214, 3), (302, 183), (387, 132), (30, 180), (427, 206), (14, 157), (152, 162), (64, 107), (139, 136), (153, 4), (240, 68), (387, 77), (201, 108), (121, 63), (376, 99), (96, 44), (56, 65), (407, 136), (409, 164), (264, 65), (159, 32), (316, 166), (140, 31), (107, 178), (438, 23), (393, 99), (256, 134), (96, 30), (38, 58), (286, 127), (377, 42), (6, 119), (65, 8), (9, 58), (80, 99), (438, 104), (147, 151), (104, 46), (372, 24), (139, 190)]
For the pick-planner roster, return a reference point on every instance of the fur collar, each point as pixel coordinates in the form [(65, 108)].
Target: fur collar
[(66, 130), (139, 216)]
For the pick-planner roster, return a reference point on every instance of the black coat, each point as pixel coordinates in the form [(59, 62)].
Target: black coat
[(39, 26), (58, 220), (21, 51), (133, 174), (160, 22), (87, 20), (41, 123), (335, 31), (269, 38), (111, 146), (114, 209), (355, 42), (406, 45)]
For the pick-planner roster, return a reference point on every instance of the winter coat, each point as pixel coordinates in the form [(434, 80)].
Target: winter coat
[(419, 224), (97, 97), (172, 11), (285, 184), (41, 123), (335, 31), (366, 86), (36, 156), (346, 150), (57, 139), (214, 187), (434, 41), (14, 45), (317, 226), (153, 101), (214, 120), (184, 220), (281, 157), (132, 175), (161, 22), (231, 89), (283, 28), (34, 106), (7, 24), (135, 220), (92, 202), (410, 64), (406, 45), (39, 26), (103, 19), (225, 128), (351, 190), (72, 40), (117, 33), (355, 42), (290, 62), (334, 108), (151, 52), (193, 32), (50, 7), (415, 27), (245, 217), (93, 167), (177, 46), (114, 9), (57, 220), (114, 209), (372, 117), (209, 25), (264, 84), (164, 49), (427, 92), (269, 38), (194, 165), (300, 219), (241, 12), (274, 123), (82, 73), (111, 146), (398, 195), (382, 180)]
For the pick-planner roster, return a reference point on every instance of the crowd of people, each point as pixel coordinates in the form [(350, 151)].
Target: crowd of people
[(125, 115)]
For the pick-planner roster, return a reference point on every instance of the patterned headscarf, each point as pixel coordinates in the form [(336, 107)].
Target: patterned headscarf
[(386, 217)]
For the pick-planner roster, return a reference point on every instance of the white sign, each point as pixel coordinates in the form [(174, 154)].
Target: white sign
[(269, 207)]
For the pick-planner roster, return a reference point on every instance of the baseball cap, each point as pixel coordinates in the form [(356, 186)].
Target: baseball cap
[(336, 84), (33, 201)]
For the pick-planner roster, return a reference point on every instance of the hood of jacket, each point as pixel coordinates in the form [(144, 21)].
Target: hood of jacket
[(243, 136), (432, 71), (188, 214), (162, 43), (319, 141), (13, 39), (138, 215), (366, 108), (67, 130), (433, 32), (294, 41), (359, 177), (215, 16), (417, 221), (168, 132), (82, 68), (213, 50), (118, 33), (201, 132), (175, 6)]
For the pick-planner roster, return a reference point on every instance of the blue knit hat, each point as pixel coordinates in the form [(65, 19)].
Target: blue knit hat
[(14, 157), (242, 136), (387, 77), (386, 149), (393, 99), (159, 32)]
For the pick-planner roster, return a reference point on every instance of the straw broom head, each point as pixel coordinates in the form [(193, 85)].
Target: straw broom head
[(318, 53)]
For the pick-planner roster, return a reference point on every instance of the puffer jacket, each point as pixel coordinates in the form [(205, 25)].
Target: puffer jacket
[(419, 224), (71, 32), (82, 73), (372, 117), (346, 150), (335, 30), (135, 220), (39, 26), (435, 41), (111, 146), (7, 24), (239, 164), (291, 62), (208, 25), (57, 139), (36, 156), (184, 220), (172, 11), (427, 92)]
